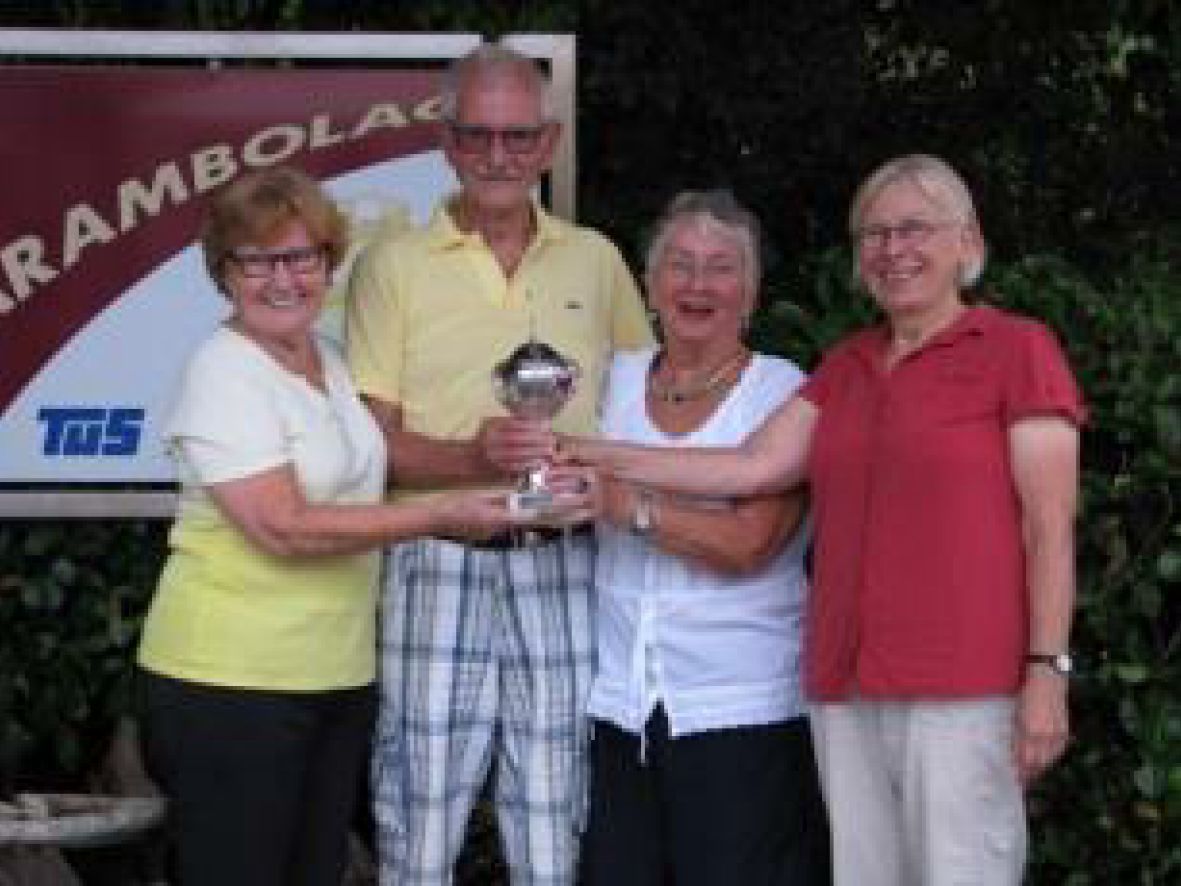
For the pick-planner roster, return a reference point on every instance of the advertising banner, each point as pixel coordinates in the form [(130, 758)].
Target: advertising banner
[(106, 172)]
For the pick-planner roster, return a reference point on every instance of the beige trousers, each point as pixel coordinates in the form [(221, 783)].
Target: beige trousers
[(921, 793)]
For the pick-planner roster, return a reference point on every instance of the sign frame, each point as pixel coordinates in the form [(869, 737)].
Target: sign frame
[(214, 49)]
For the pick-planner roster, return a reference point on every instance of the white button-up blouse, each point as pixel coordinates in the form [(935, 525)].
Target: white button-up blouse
[(716, 650)]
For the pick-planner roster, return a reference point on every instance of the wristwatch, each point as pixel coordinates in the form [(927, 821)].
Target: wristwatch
[(642, 516), (1059, 662)]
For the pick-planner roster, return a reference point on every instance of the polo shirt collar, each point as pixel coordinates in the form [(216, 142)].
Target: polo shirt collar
[(445, 234), (974, 321)]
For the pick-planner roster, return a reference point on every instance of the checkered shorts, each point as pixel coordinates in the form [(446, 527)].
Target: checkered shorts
[(485, 654)]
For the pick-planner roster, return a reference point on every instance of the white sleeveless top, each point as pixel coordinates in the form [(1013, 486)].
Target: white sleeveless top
[(717, 650)]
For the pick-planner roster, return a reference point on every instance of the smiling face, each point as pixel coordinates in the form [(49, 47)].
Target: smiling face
[(278, 299), (499, 143), (911, 250), (700, 285)]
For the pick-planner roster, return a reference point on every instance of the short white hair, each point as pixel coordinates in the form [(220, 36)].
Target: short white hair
[(717, 210), (494, 60), (938, 182)]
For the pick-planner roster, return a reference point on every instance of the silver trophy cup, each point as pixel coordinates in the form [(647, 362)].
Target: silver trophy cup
[(534, 382)]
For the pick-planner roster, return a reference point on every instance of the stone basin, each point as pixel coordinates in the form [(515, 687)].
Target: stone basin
[(77, 821)]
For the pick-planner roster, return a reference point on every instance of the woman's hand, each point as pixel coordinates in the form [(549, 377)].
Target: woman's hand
[(576, 494), (1042, 727), (617, 502), (573, 449), (474, 514)]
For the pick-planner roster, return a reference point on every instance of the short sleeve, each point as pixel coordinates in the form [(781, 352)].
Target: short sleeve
[(817, 388), (780, 382), (624, 388), (225, 424), (630, 328), (374, 324), (1038, 379)]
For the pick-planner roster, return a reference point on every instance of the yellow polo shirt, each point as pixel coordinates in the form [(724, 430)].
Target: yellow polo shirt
[(430, 314)]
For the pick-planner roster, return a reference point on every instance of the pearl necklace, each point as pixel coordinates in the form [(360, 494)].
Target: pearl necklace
[(677, 394)]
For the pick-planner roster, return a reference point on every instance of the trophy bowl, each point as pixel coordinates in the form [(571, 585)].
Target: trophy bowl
[(534, 382)]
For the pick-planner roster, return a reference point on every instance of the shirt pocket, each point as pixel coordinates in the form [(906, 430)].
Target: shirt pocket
[(959, 394)]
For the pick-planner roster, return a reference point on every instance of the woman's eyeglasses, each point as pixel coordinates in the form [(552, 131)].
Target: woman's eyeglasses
[(908, 232), (265, 263)]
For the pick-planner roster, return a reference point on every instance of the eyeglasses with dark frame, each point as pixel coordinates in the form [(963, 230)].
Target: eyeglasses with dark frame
[(908, 232), (516, 140), (265, 263)]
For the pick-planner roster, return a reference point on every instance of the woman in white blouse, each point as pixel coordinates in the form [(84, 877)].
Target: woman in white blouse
[(702, 766)]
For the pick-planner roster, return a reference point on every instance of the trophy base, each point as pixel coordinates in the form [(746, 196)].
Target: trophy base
[(530, 502)]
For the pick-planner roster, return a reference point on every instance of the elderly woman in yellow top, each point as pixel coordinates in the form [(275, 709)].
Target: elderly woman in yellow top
[(259, 645)]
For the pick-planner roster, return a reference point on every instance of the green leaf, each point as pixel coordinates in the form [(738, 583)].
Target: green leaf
[(1168, 565), (1147, 782), (1131, 673)]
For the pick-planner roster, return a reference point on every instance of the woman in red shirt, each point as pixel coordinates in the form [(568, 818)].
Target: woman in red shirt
[(941, 448)]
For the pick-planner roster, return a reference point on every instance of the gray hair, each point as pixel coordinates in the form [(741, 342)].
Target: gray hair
[(494, 60), (716, 209), (938, 182)]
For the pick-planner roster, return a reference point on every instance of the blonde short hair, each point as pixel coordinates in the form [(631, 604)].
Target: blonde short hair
[(938, 181)]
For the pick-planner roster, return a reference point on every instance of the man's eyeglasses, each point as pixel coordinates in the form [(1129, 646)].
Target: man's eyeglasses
[(259, 264), (908, 232), (517, 140)]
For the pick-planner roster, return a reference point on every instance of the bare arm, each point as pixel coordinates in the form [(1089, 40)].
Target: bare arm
[(270, 510), (771, 459), (1044, 452), (736, 538), (503, 448)]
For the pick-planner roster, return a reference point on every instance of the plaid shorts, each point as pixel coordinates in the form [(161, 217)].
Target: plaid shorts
[(485, 654)]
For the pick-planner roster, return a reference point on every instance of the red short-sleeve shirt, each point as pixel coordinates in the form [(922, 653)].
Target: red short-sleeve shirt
[(920, 581)]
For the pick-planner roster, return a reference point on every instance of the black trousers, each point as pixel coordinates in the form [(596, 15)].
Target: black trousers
[(730, 807), (262, 784)]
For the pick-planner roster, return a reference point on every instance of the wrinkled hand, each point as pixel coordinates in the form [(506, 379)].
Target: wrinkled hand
[(573, 449), (512, 446), (1042, 726), (474, 514), (618, 501)]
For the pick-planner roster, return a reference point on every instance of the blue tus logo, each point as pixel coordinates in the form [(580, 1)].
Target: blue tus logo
[(91, 430)]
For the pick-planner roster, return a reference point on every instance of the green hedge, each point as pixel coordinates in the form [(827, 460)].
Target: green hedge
[(71, 594), (71, 599)]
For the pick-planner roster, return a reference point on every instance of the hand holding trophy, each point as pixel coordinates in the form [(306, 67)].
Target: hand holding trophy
[(534, 382)]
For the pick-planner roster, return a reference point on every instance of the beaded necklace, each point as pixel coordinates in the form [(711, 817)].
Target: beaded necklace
[(695, 390)]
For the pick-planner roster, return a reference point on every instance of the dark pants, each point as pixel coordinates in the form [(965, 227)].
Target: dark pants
[(719, 808), (262, 784)]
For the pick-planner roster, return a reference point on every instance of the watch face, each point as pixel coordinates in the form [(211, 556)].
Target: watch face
[(642, 519), (642, 515), (1058, 662)]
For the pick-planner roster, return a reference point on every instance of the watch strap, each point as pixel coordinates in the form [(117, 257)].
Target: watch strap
[(642, 522), (1058, 662)]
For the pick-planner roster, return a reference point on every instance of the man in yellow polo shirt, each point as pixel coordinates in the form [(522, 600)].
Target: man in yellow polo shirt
[(487, 649)]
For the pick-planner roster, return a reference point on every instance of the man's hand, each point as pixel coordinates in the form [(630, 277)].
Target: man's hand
[(1042, 726), (512, 446)]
